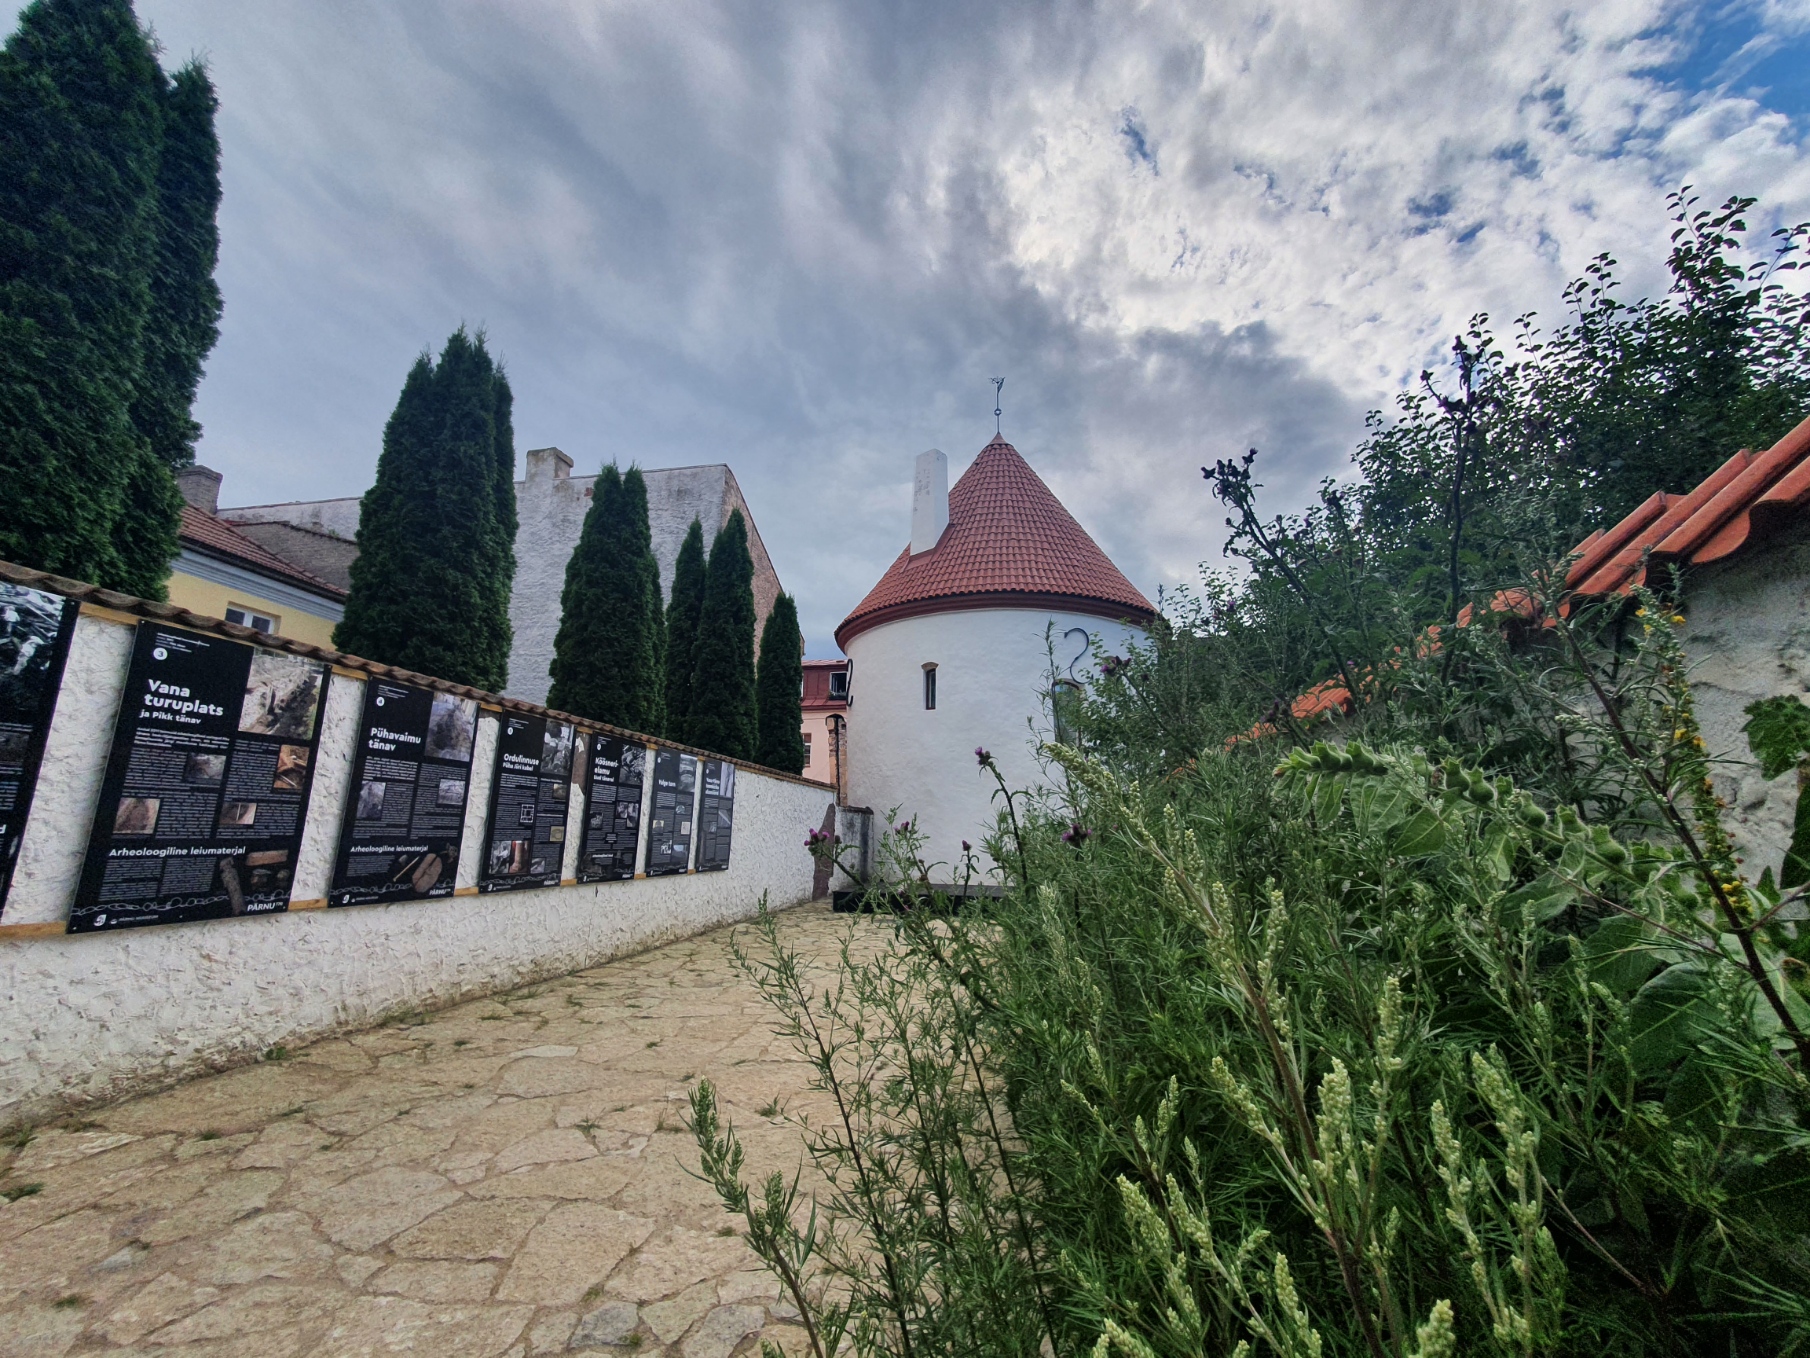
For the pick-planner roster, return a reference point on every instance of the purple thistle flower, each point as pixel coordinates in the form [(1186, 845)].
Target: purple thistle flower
[(1075, 834), (967, 847), (980, 753)]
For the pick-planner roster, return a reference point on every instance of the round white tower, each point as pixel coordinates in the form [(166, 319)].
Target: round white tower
[(948, 652)]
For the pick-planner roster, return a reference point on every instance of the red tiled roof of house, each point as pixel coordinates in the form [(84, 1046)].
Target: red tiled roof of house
[(1009, 543), (217, 537), (1744, 501)]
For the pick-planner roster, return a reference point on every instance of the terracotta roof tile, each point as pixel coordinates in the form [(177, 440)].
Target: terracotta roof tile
[(1745, 500), (217, 537), (1009, 540)]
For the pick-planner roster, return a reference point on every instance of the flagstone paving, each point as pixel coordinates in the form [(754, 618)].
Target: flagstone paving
[(507, 1177)]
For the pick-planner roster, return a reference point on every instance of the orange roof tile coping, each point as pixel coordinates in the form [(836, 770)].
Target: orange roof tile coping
[(1744, 501), (219, 538), (1009, 544)]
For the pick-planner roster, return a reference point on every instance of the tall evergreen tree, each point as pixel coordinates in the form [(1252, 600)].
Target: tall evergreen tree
[(436, 558), (778, 690), (184, 319), (81, 132), (499, 637), (606, 657), (723, 717), (656, 616), (682, 631)]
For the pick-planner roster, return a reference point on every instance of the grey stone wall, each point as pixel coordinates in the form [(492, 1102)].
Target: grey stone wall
[(550, 509), (320, 554)]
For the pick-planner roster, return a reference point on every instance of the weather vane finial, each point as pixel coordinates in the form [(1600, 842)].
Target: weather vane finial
[(998, 385)]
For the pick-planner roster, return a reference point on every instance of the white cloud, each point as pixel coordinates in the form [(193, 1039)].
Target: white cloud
[(801, 238)]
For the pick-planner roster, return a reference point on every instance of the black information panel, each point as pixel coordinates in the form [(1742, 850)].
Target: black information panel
[(206, 790), (669, 825), (34, 641), (716, 815), (612, 821), (405, 811), (526, 841)]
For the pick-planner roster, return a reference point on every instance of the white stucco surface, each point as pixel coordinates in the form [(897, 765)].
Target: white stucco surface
[(477, 802), (327, 795), (99, 1016), (1747, 634), (69, 780), (993, 669)]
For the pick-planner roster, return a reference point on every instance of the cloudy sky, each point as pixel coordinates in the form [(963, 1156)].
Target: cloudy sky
[(800, 238)]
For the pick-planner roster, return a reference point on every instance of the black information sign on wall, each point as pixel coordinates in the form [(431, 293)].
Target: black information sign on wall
[(34, 641), (612, 822), (405, 810), (526, 842), (716, 815), (207, 785), (669, 824)]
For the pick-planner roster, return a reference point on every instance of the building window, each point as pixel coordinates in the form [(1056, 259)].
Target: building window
[(930, 687), (839, 685), (248, 617), (807, 749)]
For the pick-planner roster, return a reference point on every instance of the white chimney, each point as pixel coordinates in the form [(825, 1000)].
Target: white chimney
[(929, 501)]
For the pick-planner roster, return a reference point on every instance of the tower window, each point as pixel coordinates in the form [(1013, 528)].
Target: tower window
[(930, 687), (839, 685)]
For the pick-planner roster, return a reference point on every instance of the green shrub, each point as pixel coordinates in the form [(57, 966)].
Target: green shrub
[(1372, 1052)]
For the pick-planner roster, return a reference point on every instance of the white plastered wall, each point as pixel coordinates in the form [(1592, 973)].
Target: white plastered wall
[(993, 669), (1747, 635), (95, 1017)]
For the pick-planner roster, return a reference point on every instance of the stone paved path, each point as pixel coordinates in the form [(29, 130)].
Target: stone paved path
[(502, 1178)]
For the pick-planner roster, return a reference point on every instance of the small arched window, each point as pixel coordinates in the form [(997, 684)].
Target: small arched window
[(930, 685)]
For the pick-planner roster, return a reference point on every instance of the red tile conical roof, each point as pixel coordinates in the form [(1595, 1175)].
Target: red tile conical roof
[(1009, 544)]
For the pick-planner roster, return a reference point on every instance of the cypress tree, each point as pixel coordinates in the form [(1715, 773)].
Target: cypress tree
[(606, 657), (682, 631), (655, 687), (499, 635), (430, 585), (777, 690), (723, 715), (81, 128), (184, 318)]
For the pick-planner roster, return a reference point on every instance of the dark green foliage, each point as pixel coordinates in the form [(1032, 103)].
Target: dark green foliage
[(107, 304), (184, 320), (1523, 447), (436, 558), (1370, 1053), (607, 656), (1778, 733), (777, 692), (682, 631), (723, 716)]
